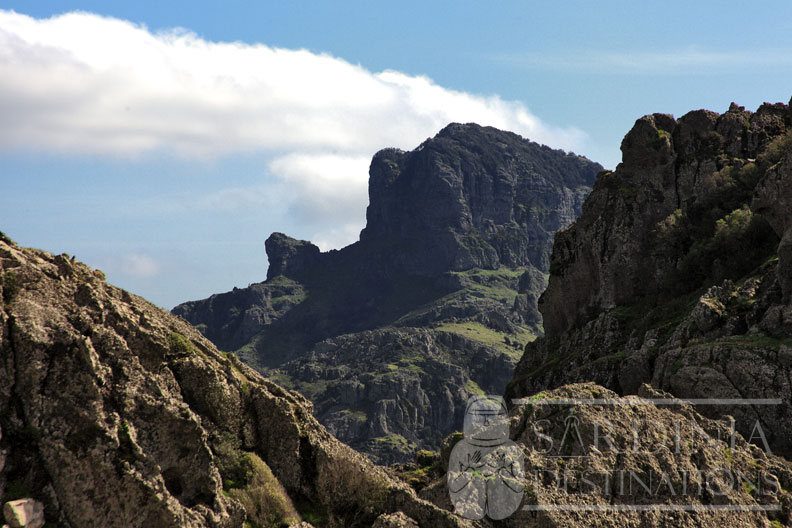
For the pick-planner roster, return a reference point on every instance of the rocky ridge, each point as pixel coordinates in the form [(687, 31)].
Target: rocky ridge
[(445, 278), (678, 271), (116, 413)]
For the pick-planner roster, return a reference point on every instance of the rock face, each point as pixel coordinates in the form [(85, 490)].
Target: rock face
[(115, 413), (632, 463), (474, 197), (445, 278), (678, 272)]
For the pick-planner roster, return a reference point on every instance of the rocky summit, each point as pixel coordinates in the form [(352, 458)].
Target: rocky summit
[(114, 413), (390, 335), (679, 271)]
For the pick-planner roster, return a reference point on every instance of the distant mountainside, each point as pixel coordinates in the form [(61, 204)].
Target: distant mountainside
[(388, 336), (679, 271)]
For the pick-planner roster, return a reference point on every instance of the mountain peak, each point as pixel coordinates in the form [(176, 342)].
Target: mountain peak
[(469, 197), (289, 256)]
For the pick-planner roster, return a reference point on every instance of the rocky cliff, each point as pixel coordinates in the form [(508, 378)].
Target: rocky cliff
[(678, 272), (114, 413), (387, 336)]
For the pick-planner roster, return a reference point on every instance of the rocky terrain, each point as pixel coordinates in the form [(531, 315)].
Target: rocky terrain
[(661, 466), (679, 271), (389, 335), (114, 413)]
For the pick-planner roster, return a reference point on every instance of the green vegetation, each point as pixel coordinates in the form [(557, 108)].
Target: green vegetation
[(499, 285), (249, 480), (718, 237), (179, 344), (775, 150), (358, 415), (313, 513), (5, 238), (263, 497), (747, 342), (126, 446), (16, 489), (289, 292), (395, 440), (472, 388), (663, 139), (478, 332), (10, 285)]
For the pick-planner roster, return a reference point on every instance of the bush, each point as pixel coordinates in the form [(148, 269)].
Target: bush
[(10, 285), (179, 344), (775, 150), (249, 480), (263, 497)]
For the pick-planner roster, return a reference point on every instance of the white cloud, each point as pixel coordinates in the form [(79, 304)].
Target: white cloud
[(80, 84), (325, 187), (84, 83), (137, 265)]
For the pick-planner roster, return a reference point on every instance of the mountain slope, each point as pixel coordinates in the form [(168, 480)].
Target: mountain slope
[(679, 271), (116, 413), (445, 277)]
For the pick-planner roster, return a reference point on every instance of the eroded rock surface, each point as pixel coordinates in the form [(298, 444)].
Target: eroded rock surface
[(115, 413), (678, 272)]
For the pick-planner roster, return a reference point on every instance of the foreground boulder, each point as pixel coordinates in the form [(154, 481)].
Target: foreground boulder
[(115, 413)]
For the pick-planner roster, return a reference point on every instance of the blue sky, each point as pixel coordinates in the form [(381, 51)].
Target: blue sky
[(162, 142)]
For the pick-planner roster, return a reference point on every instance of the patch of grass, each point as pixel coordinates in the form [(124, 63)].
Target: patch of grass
[(749, 341), (613, 358), (476, 331), (499, 285), (311, 390), (357, 415), (471, 387), (394, 440)]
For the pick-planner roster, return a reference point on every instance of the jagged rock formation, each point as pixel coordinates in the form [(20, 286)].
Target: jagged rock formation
[(114, 413), (445, 278), (678, 272), (656, 456)]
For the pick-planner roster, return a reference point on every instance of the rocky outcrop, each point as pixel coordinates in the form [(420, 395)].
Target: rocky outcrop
[(115, 413), (457, 241), (632, 462), (289, 257), (701, 163), (678, 272), (24, 513)]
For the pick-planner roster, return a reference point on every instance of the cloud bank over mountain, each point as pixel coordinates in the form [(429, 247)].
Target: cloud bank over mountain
[(86, 84)]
